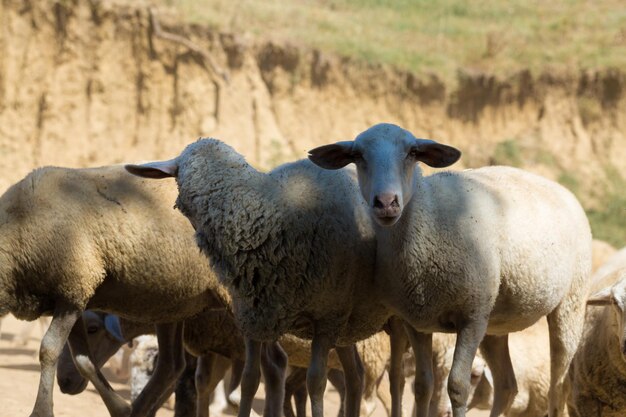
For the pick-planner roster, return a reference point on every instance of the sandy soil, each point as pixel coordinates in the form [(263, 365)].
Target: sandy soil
[(19, 378)]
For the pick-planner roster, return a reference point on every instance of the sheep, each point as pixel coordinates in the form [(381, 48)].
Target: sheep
[(597, 375), (73, 239), (209, 333), (529, 351), (142, 363), (278, 242), (482, 252)]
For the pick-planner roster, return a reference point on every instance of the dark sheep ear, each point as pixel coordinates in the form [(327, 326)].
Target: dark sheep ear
[(334, 156), (603, 297), (435, 154), (156, 170), (113, 326)]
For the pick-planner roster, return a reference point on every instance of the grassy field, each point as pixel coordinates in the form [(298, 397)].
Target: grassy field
[(435, 36)]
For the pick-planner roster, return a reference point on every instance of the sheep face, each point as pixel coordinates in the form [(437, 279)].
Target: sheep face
[(615, 297), (385, 156), (104, 339)]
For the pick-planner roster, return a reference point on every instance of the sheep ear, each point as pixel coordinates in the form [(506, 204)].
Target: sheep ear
[(435, 154), (488, 376), (157, 170), (334, 156), (112, 325), (603, 297)]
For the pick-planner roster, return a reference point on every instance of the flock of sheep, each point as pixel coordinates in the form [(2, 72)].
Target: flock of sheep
[(313, 259)]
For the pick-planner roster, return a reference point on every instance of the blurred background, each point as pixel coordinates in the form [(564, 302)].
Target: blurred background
[(534, 84)]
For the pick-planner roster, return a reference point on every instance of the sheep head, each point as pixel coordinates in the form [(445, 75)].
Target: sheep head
[(386, 157)]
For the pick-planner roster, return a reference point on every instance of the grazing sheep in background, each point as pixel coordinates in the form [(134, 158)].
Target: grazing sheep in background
[(481, 253), (73, 239), (597, 374), (295, 248)]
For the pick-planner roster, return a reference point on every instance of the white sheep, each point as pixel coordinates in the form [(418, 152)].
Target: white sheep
[(597, 374), (482, 252), (72, 239), (530, 356), (295, 248)]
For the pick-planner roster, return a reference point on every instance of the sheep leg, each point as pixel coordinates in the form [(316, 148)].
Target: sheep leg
[(495, 350), (203, 378), (467, 341), (236, 371), (216, 385), (422, 344), (293, 384), (399, 342), (170, 365), (383, 390), (316, 374), (300, 397), (274, 367), (185, 391), (336, 378), (251, 377), (295, 387), (206, 380), (565, 324), (354, 377), (52, 343), (79, 348)]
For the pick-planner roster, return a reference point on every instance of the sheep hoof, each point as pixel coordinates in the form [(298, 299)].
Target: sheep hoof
[(37, 413), (121, 410)]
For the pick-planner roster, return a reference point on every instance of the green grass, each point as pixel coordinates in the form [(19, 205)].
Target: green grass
[(607, 214), (608, 219), (508, 153), (435, 36)]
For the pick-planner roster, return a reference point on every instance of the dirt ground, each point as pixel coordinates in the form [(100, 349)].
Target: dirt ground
[(19, 378)]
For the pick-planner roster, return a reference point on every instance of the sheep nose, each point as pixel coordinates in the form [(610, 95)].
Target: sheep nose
[(386, 200), (67, 386)]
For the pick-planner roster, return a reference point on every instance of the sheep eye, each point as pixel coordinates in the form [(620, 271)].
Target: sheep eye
[(357, 156), (92, 329), (413, 154)]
